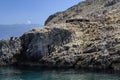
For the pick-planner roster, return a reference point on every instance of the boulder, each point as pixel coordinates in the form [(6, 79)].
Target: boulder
[(42, 42)]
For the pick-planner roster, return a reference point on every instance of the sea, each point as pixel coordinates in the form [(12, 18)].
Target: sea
[(33, 73), (36, 73), (15, 30)]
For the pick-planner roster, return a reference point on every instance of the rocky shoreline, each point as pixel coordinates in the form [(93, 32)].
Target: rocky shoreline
[(70, 41)]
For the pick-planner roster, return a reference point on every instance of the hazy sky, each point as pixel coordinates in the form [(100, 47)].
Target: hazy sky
[(31, 11)]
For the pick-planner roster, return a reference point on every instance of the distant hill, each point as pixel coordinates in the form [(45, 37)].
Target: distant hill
[(15, 30)]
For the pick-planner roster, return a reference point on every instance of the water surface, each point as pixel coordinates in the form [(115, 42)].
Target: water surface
[(12, 73), (16, 30)]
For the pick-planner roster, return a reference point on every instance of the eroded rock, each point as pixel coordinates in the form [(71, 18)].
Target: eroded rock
[(8, 50)]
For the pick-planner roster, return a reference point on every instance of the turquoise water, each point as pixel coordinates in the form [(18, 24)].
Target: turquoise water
[(11, 73)]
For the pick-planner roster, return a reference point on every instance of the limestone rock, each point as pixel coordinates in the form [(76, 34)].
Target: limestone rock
[(42, 42), (8, 50)]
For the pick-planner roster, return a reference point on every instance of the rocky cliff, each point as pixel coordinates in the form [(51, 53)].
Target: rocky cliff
[(87, 9), (86, 35)]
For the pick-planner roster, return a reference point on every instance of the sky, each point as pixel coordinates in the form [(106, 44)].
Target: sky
[(31, 11)]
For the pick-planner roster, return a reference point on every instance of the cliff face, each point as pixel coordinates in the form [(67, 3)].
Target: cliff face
[(86, 35), (42, 42)]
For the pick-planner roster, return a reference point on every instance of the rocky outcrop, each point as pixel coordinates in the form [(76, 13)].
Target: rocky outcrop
[(87, 45), (92, 9), (94, 45), (71, 41), (111, 2), (8, 50), (82, 9), (42, 42)]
